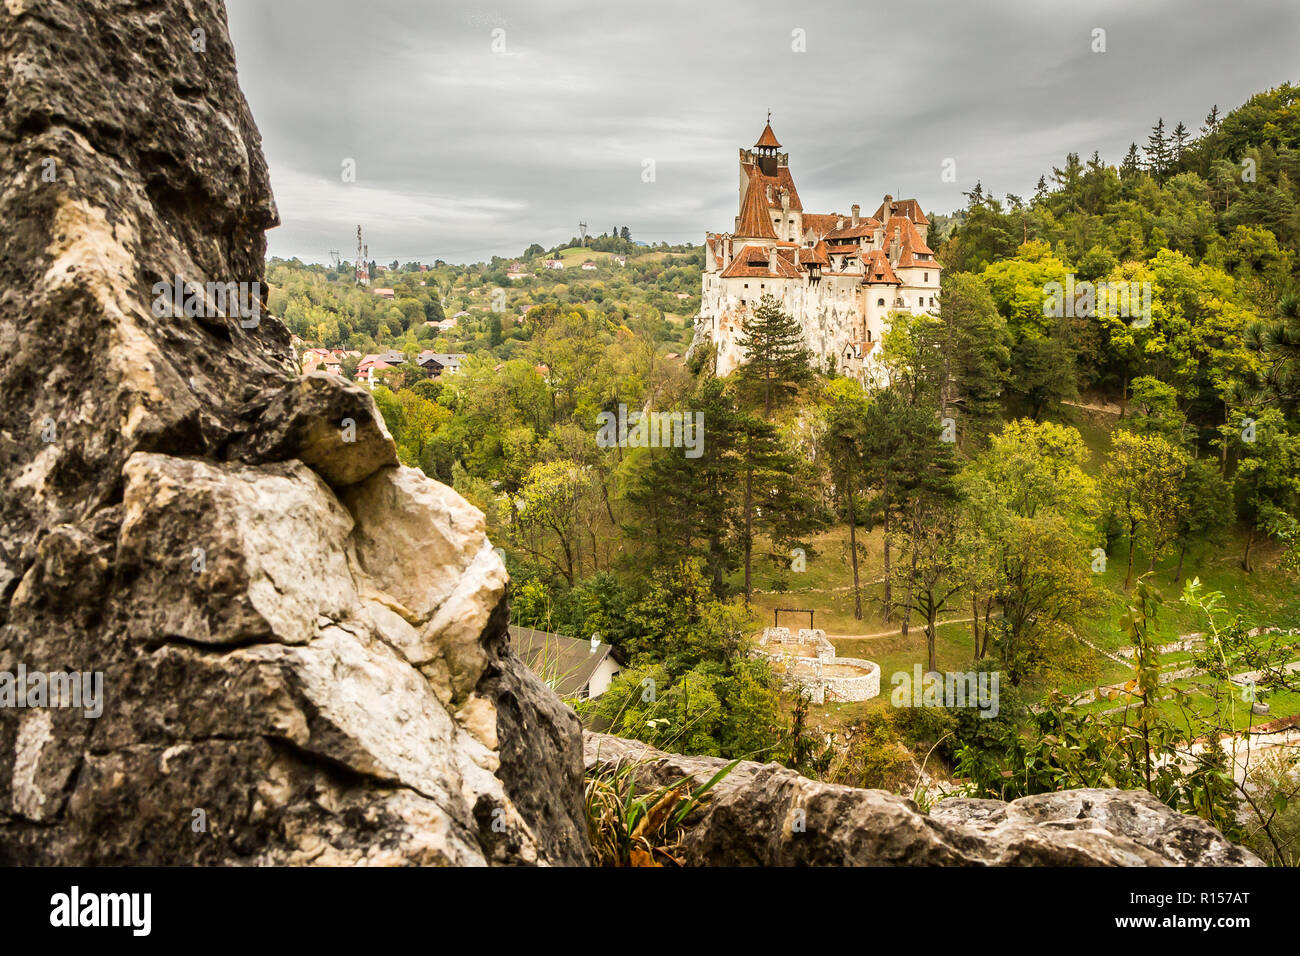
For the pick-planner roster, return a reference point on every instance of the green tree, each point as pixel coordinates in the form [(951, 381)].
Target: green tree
[(977, 354), (1033, 507), (776, 359), (843, 441), (1202, 508), (1267, 481), (1141, 480)]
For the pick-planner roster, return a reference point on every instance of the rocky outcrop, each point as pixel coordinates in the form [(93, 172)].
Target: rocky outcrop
[(302, 644), (767, 815)]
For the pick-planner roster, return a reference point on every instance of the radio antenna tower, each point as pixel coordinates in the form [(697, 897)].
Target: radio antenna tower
[(359, 267)]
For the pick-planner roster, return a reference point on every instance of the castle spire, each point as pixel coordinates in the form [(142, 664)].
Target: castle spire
[(768, 139)]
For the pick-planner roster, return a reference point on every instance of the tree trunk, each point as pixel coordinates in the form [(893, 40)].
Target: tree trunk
[(853, 552), (1245, 558), (1178, 572), (889, 590), (1128, 575), (749, 528), (907, 604), (975, 621), (988, 609), (930, 624), (1223, 447)]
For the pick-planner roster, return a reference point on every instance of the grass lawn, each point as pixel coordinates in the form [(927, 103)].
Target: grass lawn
[(1265, 597)]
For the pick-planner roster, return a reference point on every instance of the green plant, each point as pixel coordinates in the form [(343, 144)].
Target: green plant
[(631, 829)]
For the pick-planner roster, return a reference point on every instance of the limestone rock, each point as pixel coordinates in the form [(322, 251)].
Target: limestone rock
[(326, 422), (768, 815), (228, 555), (302, 645)]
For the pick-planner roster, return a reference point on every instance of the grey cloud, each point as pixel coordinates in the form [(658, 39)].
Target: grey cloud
[(463, 153)]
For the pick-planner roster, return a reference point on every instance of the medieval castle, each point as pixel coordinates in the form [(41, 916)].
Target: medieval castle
[(839, 276)]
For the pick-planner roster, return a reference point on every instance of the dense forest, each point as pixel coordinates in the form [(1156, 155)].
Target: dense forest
[(1052, 487)]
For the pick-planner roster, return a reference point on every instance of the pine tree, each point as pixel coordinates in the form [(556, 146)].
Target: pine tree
[(777, 495), (1180, 138), (977, 354), (1040, 191), (1211, 120), (1158, 150), (689, 508), (1132, 163), (775, 355)]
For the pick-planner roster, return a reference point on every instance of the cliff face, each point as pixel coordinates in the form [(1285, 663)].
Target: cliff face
[(302, 644)]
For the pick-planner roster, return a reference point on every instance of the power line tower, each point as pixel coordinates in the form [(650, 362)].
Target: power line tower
[(582, 233), (334, 258), (361, 268)]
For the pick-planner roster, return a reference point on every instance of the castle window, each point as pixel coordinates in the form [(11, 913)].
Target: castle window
[(927, 277), (880, 302)]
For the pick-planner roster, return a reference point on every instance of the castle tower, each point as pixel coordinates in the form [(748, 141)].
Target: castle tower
[(765, 149)]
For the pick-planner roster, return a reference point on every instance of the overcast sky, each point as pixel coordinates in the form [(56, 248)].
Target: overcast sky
[(463, 152)]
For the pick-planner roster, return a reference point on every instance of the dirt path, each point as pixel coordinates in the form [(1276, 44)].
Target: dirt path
[(918, 627), (1109, 408)]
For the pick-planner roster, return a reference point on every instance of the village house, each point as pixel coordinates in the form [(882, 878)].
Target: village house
[(516, 272), (437, 364), (840, 276), (313, 359), (383, 293), (554, 263), (589, 266), (368, 369), (572, 668)]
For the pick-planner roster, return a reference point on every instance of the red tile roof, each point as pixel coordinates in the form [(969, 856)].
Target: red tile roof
[(910, 244), (904, 207), (754, 262), (817, 255), (820, 223), (782, 180), (878, 270), (862, 230), (768, 138), (754, 221)]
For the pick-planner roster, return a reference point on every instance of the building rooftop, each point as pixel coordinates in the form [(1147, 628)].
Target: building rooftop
[(565, 663)]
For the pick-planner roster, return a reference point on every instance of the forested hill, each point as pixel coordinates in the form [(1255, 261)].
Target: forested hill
[(1210, 219)]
